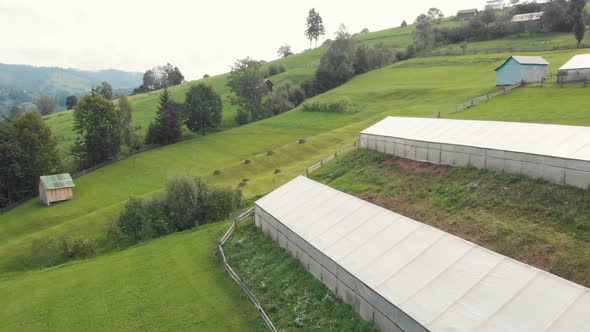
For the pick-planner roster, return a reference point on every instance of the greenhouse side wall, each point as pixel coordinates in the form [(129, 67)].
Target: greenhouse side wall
[(364, 300), (555, 170)]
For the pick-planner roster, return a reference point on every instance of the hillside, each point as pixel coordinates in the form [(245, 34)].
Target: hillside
[(300, 68), (28, 82), (418, 87)]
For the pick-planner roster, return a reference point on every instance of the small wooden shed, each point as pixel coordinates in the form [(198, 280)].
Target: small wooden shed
[(526, 69), (56, 188)]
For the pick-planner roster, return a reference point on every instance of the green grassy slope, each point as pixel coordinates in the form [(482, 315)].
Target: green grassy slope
[(293, 298), (300, 67), (415, 88), (418, 87), (150, 287)]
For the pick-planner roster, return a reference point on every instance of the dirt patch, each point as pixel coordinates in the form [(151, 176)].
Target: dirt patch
[(418, 166)]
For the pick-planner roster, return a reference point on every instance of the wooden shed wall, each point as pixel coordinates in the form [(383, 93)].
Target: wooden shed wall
[(55, 195)]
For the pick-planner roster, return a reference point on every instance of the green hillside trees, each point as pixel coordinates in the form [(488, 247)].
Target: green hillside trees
[(202, 108), (97, 123), (166, 126)]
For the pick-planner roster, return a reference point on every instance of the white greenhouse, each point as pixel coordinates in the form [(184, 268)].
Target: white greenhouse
[(407, 276), (575, 70), (556, 153)]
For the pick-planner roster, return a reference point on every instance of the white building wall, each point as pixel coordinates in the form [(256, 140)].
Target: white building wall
[(555, 170)]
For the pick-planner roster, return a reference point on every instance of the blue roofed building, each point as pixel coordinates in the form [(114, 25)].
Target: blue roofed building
[(526, 69)]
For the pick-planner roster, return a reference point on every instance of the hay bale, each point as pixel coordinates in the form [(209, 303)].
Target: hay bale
[(277, 171), (217, 172), (245, 180), (247, 161), (302, 141), (270, 153), (242, 184)]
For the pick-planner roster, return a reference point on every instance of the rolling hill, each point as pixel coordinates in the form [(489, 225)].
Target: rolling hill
[(139, 278), (23, 84)]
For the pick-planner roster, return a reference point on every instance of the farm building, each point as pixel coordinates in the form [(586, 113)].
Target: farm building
[(575, 70), (467, 14), (494, 5), (530, 17), (517, 69), (555, 153), (56, 188), (407, 276)]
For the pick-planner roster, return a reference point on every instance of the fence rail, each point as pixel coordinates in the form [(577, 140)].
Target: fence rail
[(321, 163), (233, 273), (488, 96)]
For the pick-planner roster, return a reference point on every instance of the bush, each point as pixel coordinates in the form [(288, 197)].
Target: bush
[(343, 105), (187, 202), (132, 218), (282, 68), (273, 70), (47, 251), (80, 248), (242, 117), (158, 223), (183, 199)]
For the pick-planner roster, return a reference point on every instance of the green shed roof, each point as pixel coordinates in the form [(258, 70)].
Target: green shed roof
[(57, 181)]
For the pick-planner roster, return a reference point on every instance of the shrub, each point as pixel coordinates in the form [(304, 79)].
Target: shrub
[(242, 117), (273, 70), (132, 218), (282, 68), (343, 105), (183, 199), (47, 251), (218, 204), (80, 247), (158, 222)]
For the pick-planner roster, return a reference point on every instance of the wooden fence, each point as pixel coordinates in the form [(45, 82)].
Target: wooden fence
[(488, 96), (233, 273), (321, 163)]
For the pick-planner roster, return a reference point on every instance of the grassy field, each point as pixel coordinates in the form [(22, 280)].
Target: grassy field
[(171, 284), (293, 298), (300, 68), (419, 87), (538, 223)]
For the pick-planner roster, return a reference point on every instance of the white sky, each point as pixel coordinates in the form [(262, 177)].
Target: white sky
[(199, 37)]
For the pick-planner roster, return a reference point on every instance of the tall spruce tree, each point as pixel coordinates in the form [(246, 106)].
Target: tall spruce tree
[(166, 126)]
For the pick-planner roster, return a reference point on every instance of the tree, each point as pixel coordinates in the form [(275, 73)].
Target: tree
[(126, 116), (149, 80), (285, 51), (514, 2), (421, 18), (166, 127), (576, 10), (71, 102), (46, 105), (98, 125), (556, 16), (39, 146), (16, 111), (172, 76), (12, 161), (488, 17), (435, 15), (463, 46), (315, 27), (424, 35), (246, 80), (202, 108), (105, 89), (404, 24), (337, 65)]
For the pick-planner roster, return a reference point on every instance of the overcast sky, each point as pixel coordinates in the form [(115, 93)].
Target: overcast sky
[(198, 37)]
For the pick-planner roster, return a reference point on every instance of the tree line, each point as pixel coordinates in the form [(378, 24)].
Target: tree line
[(160, 77), (558, 16)]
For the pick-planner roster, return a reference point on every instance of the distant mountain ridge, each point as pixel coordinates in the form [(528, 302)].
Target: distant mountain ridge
[(57, 82)]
